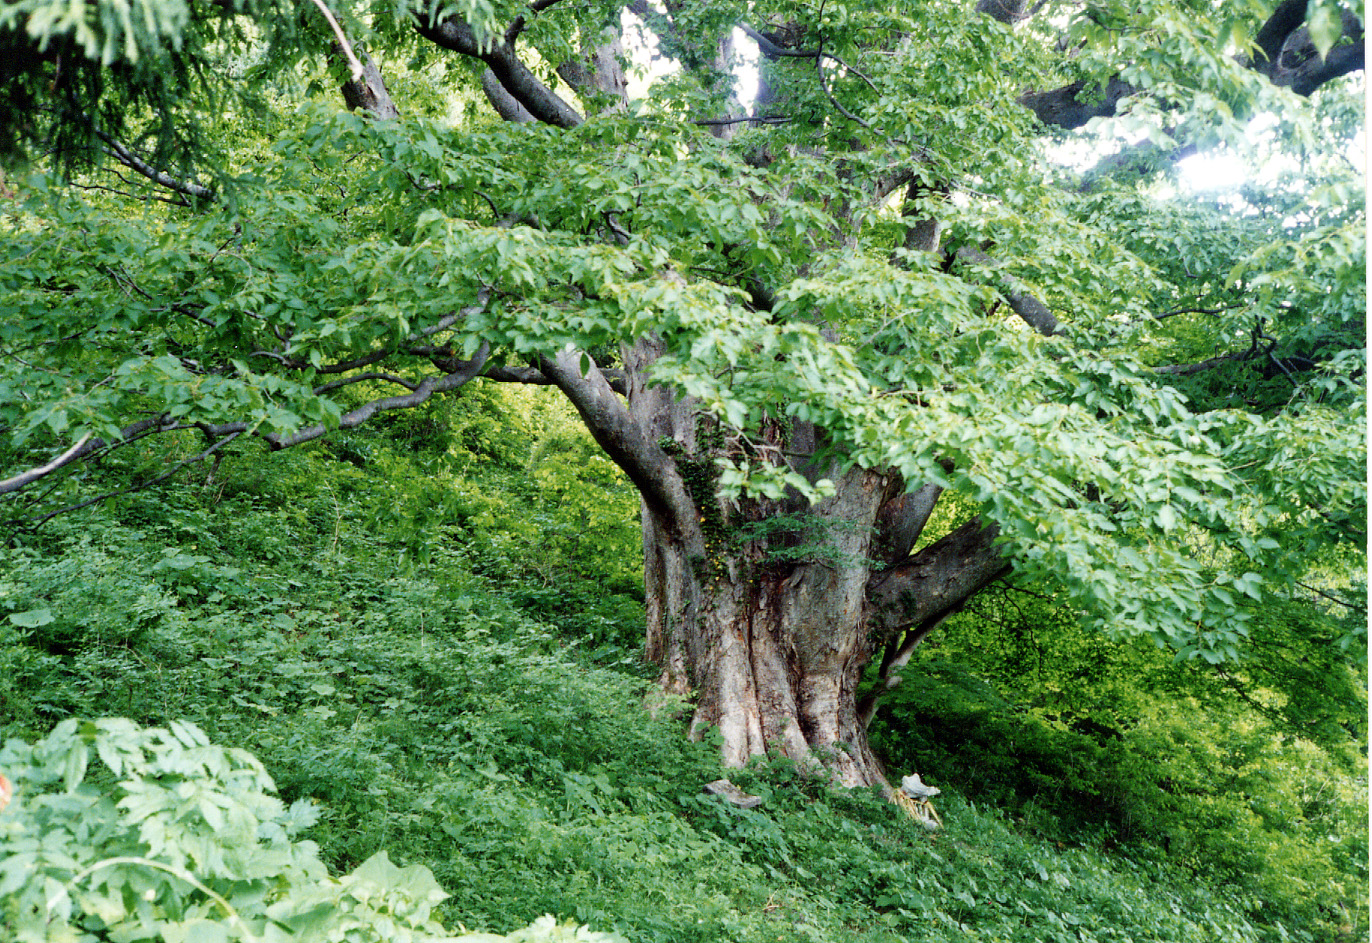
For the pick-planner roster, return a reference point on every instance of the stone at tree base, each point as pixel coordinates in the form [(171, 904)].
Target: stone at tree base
[(732, 794)]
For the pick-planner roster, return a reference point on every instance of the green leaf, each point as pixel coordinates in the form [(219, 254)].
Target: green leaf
[(33, 618), (1325, 25), (74, 766), (202, 931)]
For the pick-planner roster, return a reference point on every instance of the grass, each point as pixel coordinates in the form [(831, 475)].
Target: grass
[(435, 712)]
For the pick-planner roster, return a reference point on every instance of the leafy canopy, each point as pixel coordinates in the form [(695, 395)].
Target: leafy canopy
[(1190, 437)]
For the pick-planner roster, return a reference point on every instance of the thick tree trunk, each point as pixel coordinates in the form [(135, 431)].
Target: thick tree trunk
[(773, 648), (767, 613), (777, 645)]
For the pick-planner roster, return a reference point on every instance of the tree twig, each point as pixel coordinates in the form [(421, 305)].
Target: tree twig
[(344, 45), (141, 485)]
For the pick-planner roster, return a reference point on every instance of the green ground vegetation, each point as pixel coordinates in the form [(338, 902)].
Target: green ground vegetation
[(428, 636)]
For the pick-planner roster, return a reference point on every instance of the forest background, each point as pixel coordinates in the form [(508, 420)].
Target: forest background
[(905, 445)]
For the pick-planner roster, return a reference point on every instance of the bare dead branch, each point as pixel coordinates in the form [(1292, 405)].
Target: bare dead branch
[(132, 161), (25, 479), (344, 45)]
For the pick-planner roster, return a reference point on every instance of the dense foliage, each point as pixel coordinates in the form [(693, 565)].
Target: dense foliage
[(1200, 388), (916, 359), (431, 706), (179, 840)]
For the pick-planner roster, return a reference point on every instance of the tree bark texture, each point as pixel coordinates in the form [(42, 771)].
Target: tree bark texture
[(768, 613)]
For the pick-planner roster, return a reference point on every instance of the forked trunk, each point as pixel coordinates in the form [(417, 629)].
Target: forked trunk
[(766, 613)]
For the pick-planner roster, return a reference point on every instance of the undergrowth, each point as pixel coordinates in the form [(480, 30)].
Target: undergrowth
[(476, 708)]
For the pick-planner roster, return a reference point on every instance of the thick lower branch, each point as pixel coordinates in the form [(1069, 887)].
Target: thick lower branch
[(505, 104), (1191, 369), (900, 522), (910, 600), (194, 459), (1072, 106), (461, 373), (650, 468), (533, 377), (937, 581), (24, 479)]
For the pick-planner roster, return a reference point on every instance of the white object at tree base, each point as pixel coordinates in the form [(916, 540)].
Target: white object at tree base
[(731, 793), (912, 787)]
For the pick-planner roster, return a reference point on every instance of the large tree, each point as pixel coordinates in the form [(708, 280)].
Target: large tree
[(924, 310)]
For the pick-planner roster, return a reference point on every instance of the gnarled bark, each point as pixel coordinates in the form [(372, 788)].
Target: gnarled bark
[(769, 612)]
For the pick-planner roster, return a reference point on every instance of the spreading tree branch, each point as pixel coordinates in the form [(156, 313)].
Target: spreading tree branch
[(457, 35), (1029, 308), (900, 522), (455, 373), (117, 150), (651, 469), (772, 50), (1288, 58), (505, 104), (464, 372)]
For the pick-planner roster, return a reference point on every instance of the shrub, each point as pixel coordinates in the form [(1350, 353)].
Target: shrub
[(170, 838)]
